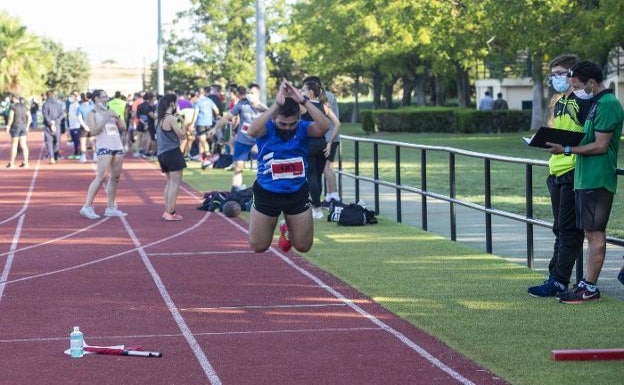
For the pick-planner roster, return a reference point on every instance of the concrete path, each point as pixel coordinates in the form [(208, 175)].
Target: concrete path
[(509, 236)]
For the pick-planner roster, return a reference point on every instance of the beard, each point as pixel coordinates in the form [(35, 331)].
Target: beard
[(286, 135)]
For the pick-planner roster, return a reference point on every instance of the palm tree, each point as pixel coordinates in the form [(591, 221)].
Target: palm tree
[(22, 62)]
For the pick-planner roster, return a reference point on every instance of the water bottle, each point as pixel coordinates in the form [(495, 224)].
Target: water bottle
[(76, 343)]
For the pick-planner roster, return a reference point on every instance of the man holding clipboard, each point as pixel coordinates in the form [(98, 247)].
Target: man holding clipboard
[(595, 179), (570, 112)]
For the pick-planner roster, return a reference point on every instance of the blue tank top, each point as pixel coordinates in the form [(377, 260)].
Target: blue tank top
[(282, 165)]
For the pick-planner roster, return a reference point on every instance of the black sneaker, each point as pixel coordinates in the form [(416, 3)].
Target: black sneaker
[(325, 204), (550, 288), (621, 276), (579, 295)]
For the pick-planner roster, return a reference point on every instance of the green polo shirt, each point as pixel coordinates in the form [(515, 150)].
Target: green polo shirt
[(598, 171), (118, 106)]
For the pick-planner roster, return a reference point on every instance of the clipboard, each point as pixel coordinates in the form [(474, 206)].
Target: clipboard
[(554, 135)]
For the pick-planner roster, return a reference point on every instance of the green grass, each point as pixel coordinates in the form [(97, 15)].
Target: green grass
[(474, 302), (507, 179)]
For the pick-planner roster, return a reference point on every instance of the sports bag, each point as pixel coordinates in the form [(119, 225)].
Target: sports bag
[(356, 215)]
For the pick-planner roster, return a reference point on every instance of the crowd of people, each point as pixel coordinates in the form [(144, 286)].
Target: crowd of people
[(173, 129)]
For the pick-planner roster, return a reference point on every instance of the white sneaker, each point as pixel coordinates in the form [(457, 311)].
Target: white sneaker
[(317, 213), (88, 212), (83, 158), (114, 212)]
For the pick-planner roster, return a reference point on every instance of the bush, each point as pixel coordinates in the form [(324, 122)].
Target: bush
[(441, 119), (346, 110)]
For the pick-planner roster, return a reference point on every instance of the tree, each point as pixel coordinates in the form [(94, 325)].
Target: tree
[(70, 71), (22, 64)]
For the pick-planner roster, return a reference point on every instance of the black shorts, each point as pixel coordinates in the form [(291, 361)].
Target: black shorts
[(201, 130), (17, 131), (593, 208), (333, 151), (84, 133), (171, 160), (273, 204)]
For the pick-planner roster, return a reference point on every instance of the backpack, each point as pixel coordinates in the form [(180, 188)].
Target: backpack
[(213, 200), (243, 197), (355, 215), (335, 208)]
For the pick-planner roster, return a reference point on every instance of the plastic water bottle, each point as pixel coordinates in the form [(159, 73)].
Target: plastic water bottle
[(76, 343)]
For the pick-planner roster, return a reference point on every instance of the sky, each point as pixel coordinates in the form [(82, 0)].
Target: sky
[(122, 30)]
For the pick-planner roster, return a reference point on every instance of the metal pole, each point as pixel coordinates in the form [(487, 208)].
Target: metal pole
[(261, 68), (161, 70)]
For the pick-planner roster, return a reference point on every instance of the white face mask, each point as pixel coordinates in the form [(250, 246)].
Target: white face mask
[(581, 94), (102, 105)]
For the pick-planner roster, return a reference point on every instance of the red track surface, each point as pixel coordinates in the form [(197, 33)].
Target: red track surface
[(191, 289)]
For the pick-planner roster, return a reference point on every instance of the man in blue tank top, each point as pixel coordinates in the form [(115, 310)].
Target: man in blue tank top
[(281, 185)]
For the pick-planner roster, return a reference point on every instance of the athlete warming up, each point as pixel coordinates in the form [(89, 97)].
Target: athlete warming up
[(281, 185)]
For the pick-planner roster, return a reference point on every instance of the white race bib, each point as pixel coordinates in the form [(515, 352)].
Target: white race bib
[(111, 129)]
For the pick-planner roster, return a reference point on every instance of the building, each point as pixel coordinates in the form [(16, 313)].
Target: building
[(112, 77)]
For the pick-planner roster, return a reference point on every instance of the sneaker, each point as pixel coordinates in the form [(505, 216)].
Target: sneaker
[(579, 295), (326, 204), (621, 276), (88, 212), (317, 213), (171, 217), (24, 165), (549, 288), (206, 164), (114, 212), (10, 165), (284, 240), (83, 158)]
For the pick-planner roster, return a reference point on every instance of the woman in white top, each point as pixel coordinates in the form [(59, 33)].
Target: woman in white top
[(105, 126)]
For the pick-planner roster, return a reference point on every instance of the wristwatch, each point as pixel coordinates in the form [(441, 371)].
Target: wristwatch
[(305, 99), (567, 151)]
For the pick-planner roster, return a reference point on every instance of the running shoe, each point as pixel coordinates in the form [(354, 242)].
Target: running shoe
[(10, 165), (114, 212), (579, 295), (171, 217), (24, 165), (88, 212), (317, 213), (549, 288), (284, 240), (621, 276)]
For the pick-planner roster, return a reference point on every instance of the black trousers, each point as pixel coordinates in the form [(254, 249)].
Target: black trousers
[(316, 165), (568, 238)]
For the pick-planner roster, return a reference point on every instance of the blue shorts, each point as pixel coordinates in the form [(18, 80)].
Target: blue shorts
[(17, 131), (243, 152), (107, 151)]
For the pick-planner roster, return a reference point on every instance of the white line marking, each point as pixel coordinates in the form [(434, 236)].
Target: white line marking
[(9, 261), (59, 238), (193, 253), (201, 221), (29, 193), (188, 335), (246, 332), (400, 336), (266, 306)]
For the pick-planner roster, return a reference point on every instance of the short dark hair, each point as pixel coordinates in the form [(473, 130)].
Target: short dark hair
[(117, 94), (241, 90), (499, 95), (567, 60), (586, 70), (289, 108), (313, 79), (487, 93), (253, 85)]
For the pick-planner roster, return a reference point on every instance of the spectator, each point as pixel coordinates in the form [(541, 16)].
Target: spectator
[(486, 104), (53, 113), (86, 138), (595, 180), (206, 111), (500, 103), (74, 123), (34, 113), (17, 126)]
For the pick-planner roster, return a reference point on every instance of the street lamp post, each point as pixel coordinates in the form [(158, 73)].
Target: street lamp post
[(261, 50), (161, 70)]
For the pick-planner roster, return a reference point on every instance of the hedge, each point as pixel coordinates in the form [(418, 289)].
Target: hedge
[(442, 119)]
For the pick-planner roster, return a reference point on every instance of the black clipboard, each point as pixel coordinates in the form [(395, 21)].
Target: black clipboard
[(554, 135)]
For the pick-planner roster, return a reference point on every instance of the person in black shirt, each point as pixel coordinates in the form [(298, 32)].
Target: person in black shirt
[(17, 126)]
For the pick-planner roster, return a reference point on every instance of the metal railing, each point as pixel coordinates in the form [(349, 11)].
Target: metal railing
[(423, 191)]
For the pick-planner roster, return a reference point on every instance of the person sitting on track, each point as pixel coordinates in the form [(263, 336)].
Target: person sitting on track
[(105, 126), (281, 185)]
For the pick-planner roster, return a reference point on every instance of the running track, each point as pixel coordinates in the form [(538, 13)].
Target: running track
[(191, 289)]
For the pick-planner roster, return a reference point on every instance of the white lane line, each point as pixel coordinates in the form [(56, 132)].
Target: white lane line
[(9, 261), (230, 333), (81, 230), (186, 331), (400, 336), (29, 193), (194, 253), (265, 306), (200, 222)]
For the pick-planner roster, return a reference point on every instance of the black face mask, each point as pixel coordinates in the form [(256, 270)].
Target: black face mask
[(286, 135)]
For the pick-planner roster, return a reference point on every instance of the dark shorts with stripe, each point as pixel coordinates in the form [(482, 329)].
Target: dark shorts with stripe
[(593, 208), (171, 160), (273, 204)]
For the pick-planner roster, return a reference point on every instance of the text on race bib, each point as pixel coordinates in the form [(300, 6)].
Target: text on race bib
[(288, 168)]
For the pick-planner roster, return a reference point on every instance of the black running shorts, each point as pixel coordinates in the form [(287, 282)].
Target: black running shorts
[(273, 204), (333, 151), (593, 208), (171, 160)]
